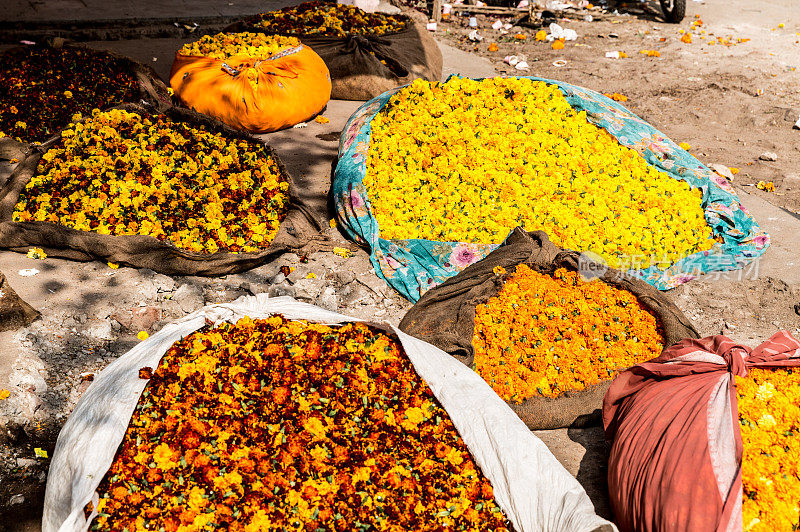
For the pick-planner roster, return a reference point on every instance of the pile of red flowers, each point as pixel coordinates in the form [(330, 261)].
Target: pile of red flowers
[(42, 88), (276, 424)]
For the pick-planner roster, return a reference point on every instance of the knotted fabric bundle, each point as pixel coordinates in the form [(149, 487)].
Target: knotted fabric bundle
[(673, 424)]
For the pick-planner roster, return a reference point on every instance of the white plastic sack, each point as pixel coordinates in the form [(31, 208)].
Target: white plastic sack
[(475, 36), (532, 488), (557, 32)]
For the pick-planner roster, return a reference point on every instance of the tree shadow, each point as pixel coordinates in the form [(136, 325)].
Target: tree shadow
[(308, 161)]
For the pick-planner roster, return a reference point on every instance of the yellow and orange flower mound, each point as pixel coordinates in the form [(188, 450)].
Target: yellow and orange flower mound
[(122, 173), (285, 425), (769, 418), (329, 19), (226, 45), (479, 158), (545, 335)]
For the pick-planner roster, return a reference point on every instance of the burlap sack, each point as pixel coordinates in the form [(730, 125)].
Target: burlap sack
[(355, 64), (14, 312), (445, 317), (297, 230)]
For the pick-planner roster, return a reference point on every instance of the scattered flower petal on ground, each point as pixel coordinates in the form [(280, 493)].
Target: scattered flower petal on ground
[(36, 253)]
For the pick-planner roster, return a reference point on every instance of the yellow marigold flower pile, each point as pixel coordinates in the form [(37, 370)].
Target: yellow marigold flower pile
[(331, 19), (285, 425), (121, 173), (225, 45), (769, 417), (468, 161), (544, 335)]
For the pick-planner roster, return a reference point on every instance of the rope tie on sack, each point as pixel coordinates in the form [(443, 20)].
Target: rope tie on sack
[(735, 357), (782, 349), (369, 43)]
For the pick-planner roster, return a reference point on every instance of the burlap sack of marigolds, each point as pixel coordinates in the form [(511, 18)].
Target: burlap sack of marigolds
[(547, 328), (366, 53), (44, 88), (176, 192), (270, 414)]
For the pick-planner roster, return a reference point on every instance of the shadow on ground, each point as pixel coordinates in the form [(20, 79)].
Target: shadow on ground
[(593, 468)]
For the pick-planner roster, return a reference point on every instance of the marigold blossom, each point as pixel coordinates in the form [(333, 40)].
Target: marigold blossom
[(541, 165), (544, 335), (769, 421), (226, 45), (122, 173), (327, 18), (42, 88)]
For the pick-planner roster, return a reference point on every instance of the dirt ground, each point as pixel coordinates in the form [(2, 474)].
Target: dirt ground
[(731, 102)]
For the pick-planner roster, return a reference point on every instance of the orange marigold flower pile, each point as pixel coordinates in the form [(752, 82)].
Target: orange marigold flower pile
[(285, 425), (769, 418), (543, 335), (122, 173)]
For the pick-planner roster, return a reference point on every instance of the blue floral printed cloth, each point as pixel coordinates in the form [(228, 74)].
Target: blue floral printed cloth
[(414, 266)]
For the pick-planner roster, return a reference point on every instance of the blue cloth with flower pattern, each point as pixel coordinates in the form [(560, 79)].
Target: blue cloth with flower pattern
[(416, 265)]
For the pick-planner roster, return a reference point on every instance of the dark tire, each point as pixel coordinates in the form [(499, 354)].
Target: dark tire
[(674, 10)]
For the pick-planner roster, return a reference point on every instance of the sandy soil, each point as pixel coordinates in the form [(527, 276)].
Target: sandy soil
[(731, 102)]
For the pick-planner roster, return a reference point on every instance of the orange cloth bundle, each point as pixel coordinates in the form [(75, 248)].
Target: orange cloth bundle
[(255, 92)]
